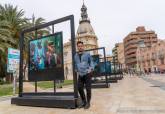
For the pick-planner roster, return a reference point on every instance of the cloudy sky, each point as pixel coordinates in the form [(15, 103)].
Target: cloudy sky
[(112, 20)]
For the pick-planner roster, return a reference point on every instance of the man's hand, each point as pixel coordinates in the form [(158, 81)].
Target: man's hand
[(75, 72), (90, 72)]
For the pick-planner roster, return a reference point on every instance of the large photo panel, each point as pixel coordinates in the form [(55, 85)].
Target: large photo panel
[(97, 56), (104, 71), (46, 58), (96, 62)]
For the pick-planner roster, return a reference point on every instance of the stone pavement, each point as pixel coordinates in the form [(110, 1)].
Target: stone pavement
[(5, 98), (132, 95)]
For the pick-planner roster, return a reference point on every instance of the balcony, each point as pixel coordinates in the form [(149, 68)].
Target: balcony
[(142, 59), (130, 52), (161, 56), (130, 41), (129, 61), (153, 57), (130, 56), (130, 47), (148, 58), (129, 44)]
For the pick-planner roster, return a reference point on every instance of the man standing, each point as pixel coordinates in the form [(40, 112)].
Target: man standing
[(83, 67)]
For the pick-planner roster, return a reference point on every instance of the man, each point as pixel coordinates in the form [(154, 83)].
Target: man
[(66, 72), (51, 56), (83, 67)]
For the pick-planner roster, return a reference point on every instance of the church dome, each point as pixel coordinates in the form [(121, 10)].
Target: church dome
[(85, 27), (84, 24)]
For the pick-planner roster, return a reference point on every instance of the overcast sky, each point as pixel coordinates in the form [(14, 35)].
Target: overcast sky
[(112, 20)]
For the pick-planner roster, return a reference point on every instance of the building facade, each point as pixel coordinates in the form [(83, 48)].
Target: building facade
[(131, 44), (114, 53), (86, 34), (109, 58), (152, 59), (118, 54)]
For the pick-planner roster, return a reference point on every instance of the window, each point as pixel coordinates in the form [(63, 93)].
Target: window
[(148, 62), (154, 62), (162, 61)]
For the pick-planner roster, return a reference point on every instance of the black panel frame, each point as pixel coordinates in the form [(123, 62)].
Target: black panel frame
[(106, 83), (59, 99), (51, 74)]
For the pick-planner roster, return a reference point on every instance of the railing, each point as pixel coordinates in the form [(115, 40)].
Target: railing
[(153, 57), (161, 56)]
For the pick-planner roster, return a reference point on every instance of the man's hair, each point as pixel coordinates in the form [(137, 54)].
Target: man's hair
[(50, 43), (79, 42)]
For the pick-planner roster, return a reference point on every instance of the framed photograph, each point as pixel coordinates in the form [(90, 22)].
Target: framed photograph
[(46, 58), (102, 68), (96, 62), (108, 67)]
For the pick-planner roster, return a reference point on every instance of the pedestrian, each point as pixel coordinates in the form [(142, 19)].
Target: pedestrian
[(66, 72), (84, 68)]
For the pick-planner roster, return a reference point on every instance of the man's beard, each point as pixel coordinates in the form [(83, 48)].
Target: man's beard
[(80, 51)]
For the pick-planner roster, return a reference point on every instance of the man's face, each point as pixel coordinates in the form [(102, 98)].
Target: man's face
[(39, 45), (50, 48), (80, 47)]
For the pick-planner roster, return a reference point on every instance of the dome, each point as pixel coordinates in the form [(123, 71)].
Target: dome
[(85, 27), (84, 24)]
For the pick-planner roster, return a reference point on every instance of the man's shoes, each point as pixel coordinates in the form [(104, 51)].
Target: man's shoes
[(82, 105), (87, 106)]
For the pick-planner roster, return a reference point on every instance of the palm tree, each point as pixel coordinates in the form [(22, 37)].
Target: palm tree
[(34, 22), (5, 42), (15, 18), (12, 21), (6, 39), (31, 35)]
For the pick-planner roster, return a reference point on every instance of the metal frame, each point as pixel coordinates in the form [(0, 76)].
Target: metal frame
[(102, 48), (118, 74), (52, 23)]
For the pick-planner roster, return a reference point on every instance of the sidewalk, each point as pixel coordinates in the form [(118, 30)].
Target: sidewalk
[(157, 77), (4, 98), (132, 95)]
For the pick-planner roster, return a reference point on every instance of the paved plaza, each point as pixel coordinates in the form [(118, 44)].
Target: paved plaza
[(132, 95)]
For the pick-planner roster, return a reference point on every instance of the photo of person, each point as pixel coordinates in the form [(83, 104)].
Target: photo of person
[(108, 67), (96, 62), (52, 58), (46, 53), (40, 55), (102, 67), (32, 57)]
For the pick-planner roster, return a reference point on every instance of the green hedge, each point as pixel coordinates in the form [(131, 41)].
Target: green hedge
[(6, 89), (50, 84)]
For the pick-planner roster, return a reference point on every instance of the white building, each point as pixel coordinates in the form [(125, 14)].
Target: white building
[(86, 34)]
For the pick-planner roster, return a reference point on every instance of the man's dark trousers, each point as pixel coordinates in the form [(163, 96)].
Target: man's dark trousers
[(85, 81)]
